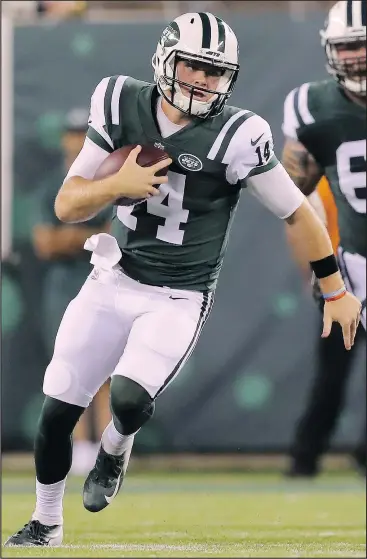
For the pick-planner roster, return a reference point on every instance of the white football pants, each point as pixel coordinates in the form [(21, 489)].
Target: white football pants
[(118, 326)]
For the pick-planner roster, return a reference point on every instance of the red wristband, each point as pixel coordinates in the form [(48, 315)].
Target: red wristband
[(336, 297)]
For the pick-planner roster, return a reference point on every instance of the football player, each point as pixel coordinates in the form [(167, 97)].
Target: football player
[(141, 310), (325, 129)]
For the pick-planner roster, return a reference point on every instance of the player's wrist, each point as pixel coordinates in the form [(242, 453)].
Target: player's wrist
[(329, 278), (331, 283), (113, 186), (325, 267), (335, 295)]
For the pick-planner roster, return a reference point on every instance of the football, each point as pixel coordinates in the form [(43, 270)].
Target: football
[(149, 155)]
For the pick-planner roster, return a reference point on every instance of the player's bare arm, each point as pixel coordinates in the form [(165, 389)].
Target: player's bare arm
[(80, 199), (275, 189), (305, 173), (301, 166), (298, 256)]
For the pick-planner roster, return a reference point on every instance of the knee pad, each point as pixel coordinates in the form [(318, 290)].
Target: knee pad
[(57, 418), (131, 405)]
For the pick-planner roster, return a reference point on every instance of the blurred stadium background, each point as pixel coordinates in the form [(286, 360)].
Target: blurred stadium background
[(231, 413)]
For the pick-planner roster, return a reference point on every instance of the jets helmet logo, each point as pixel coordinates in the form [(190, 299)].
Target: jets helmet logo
[(190, 162), (171, 35)]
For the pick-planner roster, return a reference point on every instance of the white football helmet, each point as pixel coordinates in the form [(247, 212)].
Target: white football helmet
[(345, 28), (199, 37)]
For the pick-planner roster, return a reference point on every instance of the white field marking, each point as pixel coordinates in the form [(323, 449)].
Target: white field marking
[(341, 533), (161, 534), (205, 548), (265, 526), (258, 535), (148, 547), (286, 533)]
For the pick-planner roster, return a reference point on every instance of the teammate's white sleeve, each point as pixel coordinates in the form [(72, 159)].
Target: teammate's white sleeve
[(290, 121), (87, 162), (296, 113), (252, 163)]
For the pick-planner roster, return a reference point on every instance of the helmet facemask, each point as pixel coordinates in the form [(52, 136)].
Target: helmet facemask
[(349, 72), (170, 85)]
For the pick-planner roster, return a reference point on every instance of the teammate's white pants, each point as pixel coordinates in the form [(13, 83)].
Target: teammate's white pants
[(353, 270), (118, 326)]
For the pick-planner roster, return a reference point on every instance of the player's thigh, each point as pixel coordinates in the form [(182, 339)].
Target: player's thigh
[(89, 344), (160, 343)]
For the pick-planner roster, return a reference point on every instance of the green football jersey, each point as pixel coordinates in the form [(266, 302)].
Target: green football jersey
[(178, 239), (333, 129)]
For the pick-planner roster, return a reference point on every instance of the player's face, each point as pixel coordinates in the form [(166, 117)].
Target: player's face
[(200, 75), (353, 59)]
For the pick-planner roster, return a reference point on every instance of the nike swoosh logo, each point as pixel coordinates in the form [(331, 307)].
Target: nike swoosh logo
[(110, 498), (178, 298), (254, 142)]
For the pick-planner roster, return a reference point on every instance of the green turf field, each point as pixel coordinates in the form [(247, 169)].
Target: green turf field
[(203, 515)]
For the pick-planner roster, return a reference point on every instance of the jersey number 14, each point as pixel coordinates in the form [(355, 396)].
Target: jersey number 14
[(172, 193)]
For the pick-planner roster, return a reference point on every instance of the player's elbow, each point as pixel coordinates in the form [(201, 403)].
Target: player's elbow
[(65, 209), (298, 214), (65, 206), (305, 214)]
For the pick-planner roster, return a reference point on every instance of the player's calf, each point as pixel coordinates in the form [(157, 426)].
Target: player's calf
[(53, 443)]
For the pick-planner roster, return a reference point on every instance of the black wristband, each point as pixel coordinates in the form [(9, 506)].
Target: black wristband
[(325, 267)]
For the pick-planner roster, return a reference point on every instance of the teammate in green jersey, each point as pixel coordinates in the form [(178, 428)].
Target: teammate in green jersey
[(140, 312), (325, 127)]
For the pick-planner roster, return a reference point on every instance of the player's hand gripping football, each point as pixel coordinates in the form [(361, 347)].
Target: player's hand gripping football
[(134, 181), (346, 311)]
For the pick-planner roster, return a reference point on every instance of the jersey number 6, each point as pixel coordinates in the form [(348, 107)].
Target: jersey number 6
[(351, 164)]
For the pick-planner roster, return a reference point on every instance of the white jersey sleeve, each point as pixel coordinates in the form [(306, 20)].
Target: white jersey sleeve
[(253, 164), (276, 191), (296, 113), (250, 151), (90, 157), (104, 112), (97, 131)]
